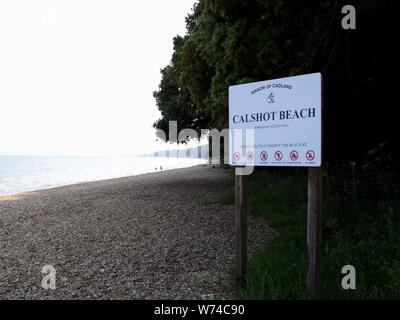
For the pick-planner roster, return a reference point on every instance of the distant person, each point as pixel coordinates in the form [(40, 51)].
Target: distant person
[(160, 167)]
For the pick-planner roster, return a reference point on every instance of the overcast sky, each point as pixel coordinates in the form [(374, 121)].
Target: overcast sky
[(77, 76)]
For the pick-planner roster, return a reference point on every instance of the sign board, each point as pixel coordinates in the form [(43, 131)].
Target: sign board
[(276, 122)]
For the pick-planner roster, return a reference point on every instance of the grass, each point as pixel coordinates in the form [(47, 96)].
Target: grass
[(361, 227), (228, 199)]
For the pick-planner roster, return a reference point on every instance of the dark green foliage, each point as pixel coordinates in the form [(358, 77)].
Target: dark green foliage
[(173, 99), (361, 227), (234, 41)]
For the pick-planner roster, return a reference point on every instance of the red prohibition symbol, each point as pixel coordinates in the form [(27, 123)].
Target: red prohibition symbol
[(278, 155), (250, 156), (236, 156), (294, 155), (310, 155), (264, 156)]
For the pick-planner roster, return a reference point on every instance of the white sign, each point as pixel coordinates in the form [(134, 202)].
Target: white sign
[(276, 122)]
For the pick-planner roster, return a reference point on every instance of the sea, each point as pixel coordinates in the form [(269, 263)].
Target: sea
[(29, 173)]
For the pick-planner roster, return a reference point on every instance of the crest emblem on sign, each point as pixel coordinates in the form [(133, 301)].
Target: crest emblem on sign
[(271, 98)]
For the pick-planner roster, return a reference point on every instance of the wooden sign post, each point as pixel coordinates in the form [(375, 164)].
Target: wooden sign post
[(240, 231), (278, 123), (314, 231)]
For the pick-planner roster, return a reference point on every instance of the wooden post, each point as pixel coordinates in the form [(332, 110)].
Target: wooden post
[(314, 231), (240, 231)]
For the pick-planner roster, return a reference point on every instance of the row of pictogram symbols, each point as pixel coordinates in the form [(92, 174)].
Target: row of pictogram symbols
[(278, 155)]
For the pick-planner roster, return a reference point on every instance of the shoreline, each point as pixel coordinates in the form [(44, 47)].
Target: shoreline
[(17, 194)]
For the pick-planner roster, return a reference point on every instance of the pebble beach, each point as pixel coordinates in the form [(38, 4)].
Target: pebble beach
[(152, 236)]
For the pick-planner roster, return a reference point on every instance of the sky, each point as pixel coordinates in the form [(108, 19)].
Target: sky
[(77, 76)]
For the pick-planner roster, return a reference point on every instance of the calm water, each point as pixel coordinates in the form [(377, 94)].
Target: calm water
[(28, 173)]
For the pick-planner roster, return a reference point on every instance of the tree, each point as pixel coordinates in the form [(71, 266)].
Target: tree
[(237, 41), (174, 100)]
